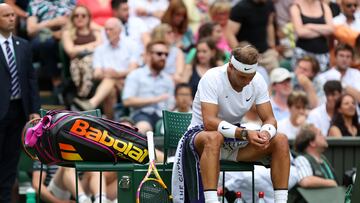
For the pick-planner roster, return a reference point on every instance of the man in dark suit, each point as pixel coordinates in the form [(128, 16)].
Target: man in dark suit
[(19, 98)]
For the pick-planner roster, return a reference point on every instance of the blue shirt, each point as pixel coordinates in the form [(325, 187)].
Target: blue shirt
[(143, 84), (278, 112)]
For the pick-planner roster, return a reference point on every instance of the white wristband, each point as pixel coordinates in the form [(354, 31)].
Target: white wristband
[(227, 129), (269, 128)]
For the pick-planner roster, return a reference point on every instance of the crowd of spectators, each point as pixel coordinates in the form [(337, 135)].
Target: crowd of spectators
[(135, 52), (105, 40)]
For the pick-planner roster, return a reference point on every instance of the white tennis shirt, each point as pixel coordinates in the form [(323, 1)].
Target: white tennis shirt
[(214, 87)]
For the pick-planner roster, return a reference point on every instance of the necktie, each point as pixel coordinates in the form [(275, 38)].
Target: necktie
[(15, 86), (126, 25)]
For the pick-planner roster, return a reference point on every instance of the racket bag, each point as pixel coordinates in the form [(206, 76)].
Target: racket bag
[(65, 137)]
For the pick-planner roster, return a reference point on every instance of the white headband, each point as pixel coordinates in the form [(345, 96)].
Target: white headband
[(245, 68)]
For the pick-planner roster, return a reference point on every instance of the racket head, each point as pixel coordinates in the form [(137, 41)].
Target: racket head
[(153, 190)]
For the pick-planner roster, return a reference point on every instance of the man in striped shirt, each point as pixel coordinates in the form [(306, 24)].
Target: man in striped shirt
[(314, 170)]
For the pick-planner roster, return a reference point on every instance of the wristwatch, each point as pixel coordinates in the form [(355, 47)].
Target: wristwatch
[(244, 134)]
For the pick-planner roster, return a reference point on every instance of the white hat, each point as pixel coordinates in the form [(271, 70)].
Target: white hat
[(279, 74)]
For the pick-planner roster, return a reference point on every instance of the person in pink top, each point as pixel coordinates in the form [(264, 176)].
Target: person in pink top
[(219, 12), (100, 10)]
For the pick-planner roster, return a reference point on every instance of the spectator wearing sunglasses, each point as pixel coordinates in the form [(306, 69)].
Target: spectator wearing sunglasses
[(149, 90), (175, 62), (347, 28), (350, 15)]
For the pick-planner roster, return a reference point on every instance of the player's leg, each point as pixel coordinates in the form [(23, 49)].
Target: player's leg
[(207, 145)]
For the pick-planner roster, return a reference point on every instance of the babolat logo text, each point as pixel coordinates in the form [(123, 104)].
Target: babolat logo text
[(124, 148)]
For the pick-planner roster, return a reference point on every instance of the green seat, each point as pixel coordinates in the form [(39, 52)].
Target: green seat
[(176, 124), (158, 129)]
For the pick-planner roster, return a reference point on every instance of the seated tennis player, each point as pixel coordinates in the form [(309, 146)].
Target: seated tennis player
[(224, 95)]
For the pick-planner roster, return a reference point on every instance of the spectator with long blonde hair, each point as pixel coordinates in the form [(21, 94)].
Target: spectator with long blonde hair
[(219, 12), (79, 42)]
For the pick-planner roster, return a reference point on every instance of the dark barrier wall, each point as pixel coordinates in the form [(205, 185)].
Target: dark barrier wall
[(344, 154)]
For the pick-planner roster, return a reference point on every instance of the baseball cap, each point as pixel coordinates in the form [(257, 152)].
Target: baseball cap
[(279, 74)]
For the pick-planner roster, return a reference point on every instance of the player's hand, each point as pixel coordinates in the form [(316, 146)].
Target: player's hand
[(257, 140), (265, 135)]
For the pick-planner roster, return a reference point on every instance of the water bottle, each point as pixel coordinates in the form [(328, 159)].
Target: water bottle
[(221, 197), (30, 195), (261, 197), (238, 198)]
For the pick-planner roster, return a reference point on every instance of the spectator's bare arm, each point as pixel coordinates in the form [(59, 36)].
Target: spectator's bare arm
[(34, 26), (300, 29), (353, 92), (140, 101), (271, 31), (323, 29), (180, 65), (316, 182), (334, 131), (19, 11), (308, 86), (188, 71), (231, 29), (73, 50)]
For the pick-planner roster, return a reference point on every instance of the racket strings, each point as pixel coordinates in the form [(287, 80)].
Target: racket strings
[(152, 191)]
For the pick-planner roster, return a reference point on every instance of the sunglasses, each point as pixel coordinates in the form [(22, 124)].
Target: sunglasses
[(80, 15), (159, 53), (355, 5)]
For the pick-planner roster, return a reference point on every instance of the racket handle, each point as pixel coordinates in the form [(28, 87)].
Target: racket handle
[(151, 148)]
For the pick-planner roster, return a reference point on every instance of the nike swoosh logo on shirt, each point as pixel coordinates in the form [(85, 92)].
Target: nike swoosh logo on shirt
[(248, 99)]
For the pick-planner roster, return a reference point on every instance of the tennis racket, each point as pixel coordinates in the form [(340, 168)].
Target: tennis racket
[(152, 189)]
